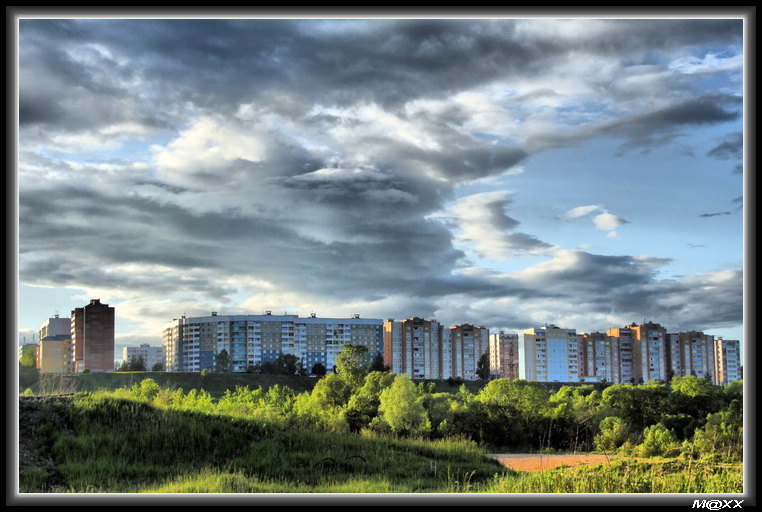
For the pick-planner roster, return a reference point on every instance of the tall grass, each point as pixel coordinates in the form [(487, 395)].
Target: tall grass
[(626, 477), (118, 445)]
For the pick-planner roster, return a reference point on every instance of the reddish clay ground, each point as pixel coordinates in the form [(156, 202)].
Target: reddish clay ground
[(538, 462)]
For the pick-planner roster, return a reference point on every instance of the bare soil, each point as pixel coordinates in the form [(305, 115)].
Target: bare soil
[(540, 462)]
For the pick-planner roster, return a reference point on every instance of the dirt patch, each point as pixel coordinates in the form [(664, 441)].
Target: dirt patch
[(540, 462)]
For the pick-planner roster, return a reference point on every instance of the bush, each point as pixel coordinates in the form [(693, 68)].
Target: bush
[(659, 441)]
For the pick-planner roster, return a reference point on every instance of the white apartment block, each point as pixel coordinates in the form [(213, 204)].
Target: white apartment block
[(192, 344), (549, 354), (504, 355), (55, 326), (151, 355), (727, 359)]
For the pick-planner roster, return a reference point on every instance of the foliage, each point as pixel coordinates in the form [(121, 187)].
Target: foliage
[(135, 364), (378, 365), (352, 364), (482, 367), (658, 441), (613, 433), (222, 361), (287, 364), (402, 409), (721, 437), (318, 369)]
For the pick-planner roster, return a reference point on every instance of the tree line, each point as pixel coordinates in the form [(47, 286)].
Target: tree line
[(687, 415)]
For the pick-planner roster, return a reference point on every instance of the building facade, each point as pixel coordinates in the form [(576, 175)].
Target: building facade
[(414, 347), (92, 337), (466, 343), (192, 344), (152, 356), (504, 355), (727, 360), (549, 354), (691, 353)]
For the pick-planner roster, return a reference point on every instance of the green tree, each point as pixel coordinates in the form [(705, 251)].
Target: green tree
[(287, 364), (137, 364), (331, 391), (402, 409), (658, 441), (352, 364), (614, 432), (377, 364), (158, 367), (363, 405), (222, 361), (482, 367)]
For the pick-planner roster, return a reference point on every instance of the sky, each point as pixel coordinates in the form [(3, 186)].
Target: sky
[(505, 172)]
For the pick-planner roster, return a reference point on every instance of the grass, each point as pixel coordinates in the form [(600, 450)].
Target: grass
[(119, 445), (627, 477)]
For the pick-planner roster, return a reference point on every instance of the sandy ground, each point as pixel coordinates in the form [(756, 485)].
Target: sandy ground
[(538, 462)]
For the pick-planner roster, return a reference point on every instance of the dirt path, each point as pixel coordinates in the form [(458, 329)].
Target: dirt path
[(539, 462)]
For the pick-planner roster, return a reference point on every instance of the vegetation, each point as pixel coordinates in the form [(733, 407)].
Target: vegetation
[(359, 430)]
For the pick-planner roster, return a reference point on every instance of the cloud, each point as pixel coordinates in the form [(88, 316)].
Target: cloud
[(491, 233), (604, 221), (315, 164)]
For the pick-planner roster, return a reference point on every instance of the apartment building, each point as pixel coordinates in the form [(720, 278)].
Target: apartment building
[(151, 355), (414, 347), (691, 353), (622, 346), (549, 354), (463, 346), (92, 337), (596, 362), (727, 361), (504, 355), (192, 343)]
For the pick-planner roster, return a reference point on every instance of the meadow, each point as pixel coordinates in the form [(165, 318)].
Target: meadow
[(376, 433)]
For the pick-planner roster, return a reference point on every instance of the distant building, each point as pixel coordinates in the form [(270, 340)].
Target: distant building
[(504, 355), (727, 359), (691, 353), (465, 344), (92, 337), (55, 354), (414, 347), (596, 362), (622, 348), (191, 344), (151, 355), (549, 354), (651, 352)]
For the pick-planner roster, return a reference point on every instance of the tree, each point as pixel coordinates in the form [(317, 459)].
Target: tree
[(287, 364), (377, 365), (222, 361), (158, 367), (318, 369), (352, 364), (402, 409), (614, 433), (137, 364), (482, 367)]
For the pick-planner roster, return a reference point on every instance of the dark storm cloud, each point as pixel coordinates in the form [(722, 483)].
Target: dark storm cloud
[(315, 196)]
